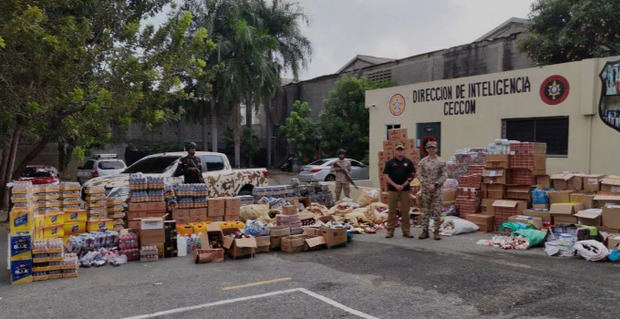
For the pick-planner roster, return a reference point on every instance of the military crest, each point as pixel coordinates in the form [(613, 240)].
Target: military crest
[(554, 90), (609, 105)]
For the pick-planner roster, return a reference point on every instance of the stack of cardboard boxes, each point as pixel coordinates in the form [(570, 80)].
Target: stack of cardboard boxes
[(96, 206), (152, 234), (74, 217), (395, 137), (21, 230)]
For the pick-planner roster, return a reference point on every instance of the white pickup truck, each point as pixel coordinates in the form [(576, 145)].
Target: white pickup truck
[(220, 178)]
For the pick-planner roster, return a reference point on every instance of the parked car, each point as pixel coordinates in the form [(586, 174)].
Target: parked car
[(40, 174), (220, 178), (100, 165), (320, 170)]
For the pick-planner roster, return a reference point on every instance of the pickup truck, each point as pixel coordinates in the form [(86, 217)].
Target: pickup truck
[(220, 178)]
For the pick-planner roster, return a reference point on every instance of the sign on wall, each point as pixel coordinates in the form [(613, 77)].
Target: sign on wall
[(554, 89), (609, 105), (397, 104)]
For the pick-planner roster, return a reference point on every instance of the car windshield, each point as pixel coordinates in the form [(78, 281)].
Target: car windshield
[(111, 165), (37, 172), (152, 165), (319, 162)]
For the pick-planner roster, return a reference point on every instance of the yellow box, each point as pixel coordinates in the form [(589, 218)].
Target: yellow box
[(74, 228), (21, 221), (54, 231), (53, 219), (98, 224), (77, 216)]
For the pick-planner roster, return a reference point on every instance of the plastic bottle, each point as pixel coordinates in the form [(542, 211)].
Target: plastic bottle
[(181, 246)]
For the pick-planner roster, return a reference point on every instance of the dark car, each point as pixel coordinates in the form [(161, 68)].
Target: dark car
[(40, 174)]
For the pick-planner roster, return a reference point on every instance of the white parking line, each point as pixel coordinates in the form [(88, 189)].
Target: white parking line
[(269, 294)]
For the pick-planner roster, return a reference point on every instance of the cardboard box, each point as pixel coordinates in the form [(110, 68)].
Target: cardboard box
[(214, 236), (517, 206), (152, 223), (601, 201), (314, 242), (21, 222), (487, 206), (152, 237), (611, 216), (496, 191), (540, 206), (20, 247), (448, 196), (613, 241), (565, 208), (57, 231), (590, 217), (519, 192), (159, 207), (198, 214), (566, 181), (21, 271), (239, 247), (72, 228), (559, 196), (543, 181), (610, 185), (289, 210), (537, 222), (544, 215), (312, 231), (564, 219), (486, 222), (293, 243), (591, 183), (588, 201), (495, 176), (180, 214), (78, 216), (216, 218), (497, 161), (334, 237), (233, 206), (263, 244), (209, 255), (216, 207)]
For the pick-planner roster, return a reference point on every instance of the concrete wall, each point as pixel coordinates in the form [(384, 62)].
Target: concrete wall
[(593, 147)]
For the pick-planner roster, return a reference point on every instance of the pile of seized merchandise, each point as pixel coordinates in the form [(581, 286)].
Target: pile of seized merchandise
[(53, 231)]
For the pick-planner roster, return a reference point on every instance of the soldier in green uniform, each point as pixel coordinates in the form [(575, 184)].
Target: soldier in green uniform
[(432, 174), (190, 166), (342, 182), (399, 172)]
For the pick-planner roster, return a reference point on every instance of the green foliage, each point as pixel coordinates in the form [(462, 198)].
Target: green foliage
[(300, 130), (344, 121), (571, 30), (249, 143)]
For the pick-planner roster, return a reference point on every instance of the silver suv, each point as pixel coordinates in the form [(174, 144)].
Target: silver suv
[(100, 165)]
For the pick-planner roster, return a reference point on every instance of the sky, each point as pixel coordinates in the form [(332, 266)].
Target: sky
[(341, 29)]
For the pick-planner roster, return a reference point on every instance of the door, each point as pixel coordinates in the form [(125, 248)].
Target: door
[(423, 130)]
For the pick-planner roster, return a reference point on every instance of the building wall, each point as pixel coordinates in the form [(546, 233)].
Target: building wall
[(592, 147)]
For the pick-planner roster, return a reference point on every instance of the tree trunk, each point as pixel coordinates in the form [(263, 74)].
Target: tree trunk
[(10, 165), (31, 155), (236, 114), (269, 128), (5, 161), (205, 132), (213, 126), (248, 121)]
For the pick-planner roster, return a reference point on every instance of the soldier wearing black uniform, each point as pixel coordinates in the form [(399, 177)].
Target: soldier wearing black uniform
[(190, 166)]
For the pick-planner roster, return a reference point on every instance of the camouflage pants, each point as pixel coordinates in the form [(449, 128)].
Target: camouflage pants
[(431, 207), (339, 187)]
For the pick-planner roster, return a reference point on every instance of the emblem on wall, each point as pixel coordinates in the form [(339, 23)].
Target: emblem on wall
[(609, 105), (397, 104), (554, 90)]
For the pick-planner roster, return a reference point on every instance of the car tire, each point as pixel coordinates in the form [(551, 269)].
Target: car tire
[(330, 178)]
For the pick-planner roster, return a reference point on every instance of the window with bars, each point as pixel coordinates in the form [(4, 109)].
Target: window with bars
[(389, 127), (550, 130)]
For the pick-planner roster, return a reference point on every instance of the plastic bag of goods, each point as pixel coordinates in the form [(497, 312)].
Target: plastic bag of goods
[(534, 237), (316, 209), (454, 226), (539, 196), (591, 250), (377, 212), (368, 196), (255, 211), (340, 210), (357, 216)]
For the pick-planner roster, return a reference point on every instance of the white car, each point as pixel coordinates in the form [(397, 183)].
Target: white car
[(100, 165), (320, 170)]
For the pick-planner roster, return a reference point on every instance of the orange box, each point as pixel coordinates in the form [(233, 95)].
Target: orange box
[(216, 207)]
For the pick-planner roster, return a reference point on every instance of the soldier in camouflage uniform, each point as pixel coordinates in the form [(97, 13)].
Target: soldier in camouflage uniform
[(342, 182), (432, 174), (190, 166)]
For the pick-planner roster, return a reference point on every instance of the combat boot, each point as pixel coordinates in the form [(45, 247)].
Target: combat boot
[(423, 235), (436, 235)]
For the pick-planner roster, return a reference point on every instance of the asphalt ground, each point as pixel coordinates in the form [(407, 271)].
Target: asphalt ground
[(372, 277)]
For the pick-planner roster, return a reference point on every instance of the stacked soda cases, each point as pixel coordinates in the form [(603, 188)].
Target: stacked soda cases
[(21, 230), (146, 188), (48, 218), (74, 216), (170, 245), (50, 262), (191, 196), (116, 212), (96, 207), (128, 244)]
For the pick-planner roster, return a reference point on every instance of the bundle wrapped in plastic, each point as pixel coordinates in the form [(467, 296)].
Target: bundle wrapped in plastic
[(591, 250), (357, 216), (316, 209), (253, 212), (454, 226), (377, 212), (368, 196), (255, 228), (340, 210)]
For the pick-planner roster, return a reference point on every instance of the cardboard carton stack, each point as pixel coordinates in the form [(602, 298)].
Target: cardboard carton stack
[(21, 230), (96, 207), (116, 212), (504, 209), (74, 217), (170, 243), (146, 200), (216, 209), (50, 262), (291, 221), (466, 162), (232, 208), (152, 234), (48, 218), (395, 137), (468, 200)]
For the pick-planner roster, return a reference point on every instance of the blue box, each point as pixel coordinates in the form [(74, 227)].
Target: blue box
[(21, 247), (21, 271)]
